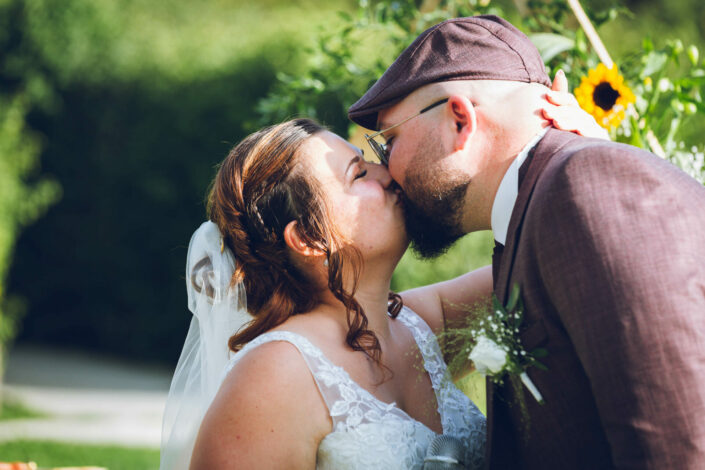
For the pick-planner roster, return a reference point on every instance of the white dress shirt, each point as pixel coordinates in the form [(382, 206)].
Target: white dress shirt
[(508, 191)]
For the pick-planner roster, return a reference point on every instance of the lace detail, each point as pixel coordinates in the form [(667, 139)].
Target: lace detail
[(371, 434), (459, 415)]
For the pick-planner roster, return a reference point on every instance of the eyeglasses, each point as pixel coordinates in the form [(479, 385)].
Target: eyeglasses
[(379, 148)]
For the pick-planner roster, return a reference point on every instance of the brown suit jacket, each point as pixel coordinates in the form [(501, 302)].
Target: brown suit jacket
[(607, 243)]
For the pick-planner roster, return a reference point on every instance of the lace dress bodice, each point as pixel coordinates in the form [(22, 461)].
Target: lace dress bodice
[(371, 434)]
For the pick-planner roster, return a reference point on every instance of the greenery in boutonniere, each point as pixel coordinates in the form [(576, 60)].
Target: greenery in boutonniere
[(490, 340)]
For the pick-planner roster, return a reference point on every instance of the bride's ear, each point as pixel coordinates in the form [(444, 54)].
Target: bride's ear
[(297, 244), (464, 119)]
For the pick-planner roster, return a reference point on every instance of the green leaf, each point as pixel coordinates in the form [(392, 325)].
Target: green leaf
[(539, 365), (648, 45), (693, 55), (550, 45), (345, 16), (653, 62), (701, 107), (496, 305), (635, 138), (513, 298), (539, 352), (519, 312)]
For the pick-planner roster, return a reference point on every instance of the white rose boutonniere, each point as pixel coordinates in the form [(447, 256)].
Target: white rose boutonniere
[(492, 340), (487, 356)]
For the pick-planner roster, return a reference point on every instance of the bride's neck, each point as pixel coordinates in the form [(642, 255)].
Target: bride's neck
[(372, 294)]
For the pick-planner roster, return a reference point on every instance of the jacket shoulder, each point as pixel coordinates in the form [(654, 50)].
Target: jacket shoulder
[(587, 167)]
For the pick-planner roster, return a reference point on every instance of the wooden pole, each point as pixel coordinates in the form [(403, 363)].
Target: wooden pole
[(591, 33), (605, 58)]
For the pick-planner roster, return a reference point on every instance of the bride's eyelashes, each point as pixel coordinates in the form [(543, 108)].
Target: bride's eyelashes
[(362, 174)]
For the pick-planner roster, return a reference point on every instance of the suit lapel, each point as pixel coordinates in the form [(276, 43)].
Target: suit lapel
[(537, 160)]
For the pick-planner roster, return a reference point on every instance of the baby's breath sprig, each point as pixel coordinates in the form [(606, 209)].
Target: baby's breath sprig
[(491, 341)]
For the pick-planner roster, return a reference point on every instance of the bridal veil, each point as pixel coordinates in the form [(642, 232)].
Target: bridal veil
[(219, 310)]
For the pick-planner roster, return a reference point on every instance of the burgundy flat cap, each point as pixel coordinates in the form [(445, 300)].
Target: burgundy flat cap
[(475, 48)]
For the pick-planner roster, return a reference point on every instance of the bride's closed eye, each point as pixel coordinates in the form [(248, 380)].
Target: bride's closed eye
[(362, 174)]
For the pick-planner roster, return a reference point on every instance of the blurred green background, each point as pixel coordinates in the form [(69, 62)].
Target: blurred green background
[(129, 104)]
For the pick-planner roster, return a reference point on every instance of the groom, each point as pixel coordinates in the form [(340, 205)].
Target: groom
[(606, 241)]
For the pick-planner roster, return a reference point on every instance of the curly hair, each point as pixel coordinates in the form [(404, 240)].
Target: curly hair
[(261, 186)]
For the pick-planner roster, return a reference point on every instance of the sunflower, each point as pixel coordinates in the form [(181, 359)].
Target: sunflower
[(604, 95)]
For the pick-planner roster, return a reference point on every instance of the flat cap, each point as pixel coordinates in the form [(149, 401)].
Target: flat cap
[(475, 48)]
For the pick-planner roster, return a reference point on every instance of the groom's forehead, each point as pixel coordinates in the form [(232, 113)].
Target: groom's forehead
[(390, 116)]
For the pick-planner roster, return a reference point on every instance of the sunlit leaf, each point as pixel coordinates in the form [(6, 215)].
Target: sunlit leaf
[(550, 45), (654, 62)]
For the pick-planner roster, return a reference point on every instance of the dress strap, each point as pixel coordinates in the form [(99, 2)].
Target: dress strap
[(432, 358), (349, 405), (427, 343), (324, 372)]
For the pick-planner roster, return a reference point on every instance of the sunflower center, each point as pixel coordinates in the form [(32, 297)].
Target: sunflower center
[(605, 96)]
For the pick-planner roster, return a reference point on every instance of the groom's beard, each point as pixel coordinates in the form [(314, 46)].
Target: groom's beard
[(433, 205)]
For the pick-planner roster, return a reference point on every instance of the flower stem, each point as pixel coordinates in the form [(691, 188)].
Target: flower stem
[(532, 388)]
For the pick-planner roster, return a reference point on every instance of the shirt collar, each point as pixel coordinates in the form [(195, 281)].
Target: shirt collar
[(508, 191)]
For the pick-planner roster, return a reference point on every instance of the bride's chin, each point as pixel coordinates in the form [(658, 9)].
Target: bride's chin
[(399, 249), (391, 252)]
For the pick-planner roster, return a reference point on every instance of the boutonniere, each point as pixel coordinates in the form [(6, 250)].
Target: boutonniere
[(491, 341)]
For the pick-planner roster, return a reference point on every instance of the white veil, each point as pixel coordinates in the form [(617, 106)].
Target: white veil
[(219, 310)]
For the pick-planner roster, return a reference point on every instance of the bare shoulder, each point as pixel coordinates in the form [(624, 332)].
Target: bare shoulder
[(265, 368), (268, 396)]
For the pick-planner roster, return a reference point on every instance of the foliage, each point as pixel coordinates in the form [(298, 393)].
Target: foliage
[(138, 103), (471, 252), (49, 454), (24, 194), (474, 386), (130, 104), (670, 84), (345, 61), (10, 409), (668, 81)]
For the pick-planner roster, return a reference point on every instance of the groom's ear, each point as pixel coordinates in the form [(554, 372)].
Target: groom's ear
[(297, 244), (464, 119)]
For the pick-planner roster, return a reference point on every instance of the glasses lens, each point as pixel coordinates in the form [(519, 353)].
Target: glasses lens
[(380, 150)]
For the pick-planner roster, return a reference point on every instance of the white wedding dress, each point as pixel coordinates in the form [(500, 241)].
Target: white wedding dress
[(370, 434)]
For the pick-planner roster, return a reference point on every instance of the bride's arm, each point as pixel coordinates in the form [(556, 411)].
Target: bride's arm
[(442, 305), (267, 414)]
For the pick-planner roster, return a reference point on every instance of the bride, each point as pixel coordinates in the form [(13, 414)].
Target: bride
[(299, 356)]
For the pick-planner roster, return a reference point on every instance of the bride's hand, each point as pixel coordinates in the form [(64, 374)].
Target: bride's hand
[(563, 112)]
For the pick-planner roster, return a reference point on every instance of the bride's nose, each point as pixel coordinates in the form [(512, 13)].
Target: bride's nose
[(380, 173)]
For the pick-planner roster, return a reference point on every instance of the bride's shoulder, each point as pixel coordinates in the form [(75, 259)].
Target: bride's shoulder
[(268, 394), (266, 365)]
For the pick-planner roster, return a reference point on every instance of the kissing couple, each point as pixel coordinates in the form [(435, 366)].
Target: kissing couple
[(299, 356)]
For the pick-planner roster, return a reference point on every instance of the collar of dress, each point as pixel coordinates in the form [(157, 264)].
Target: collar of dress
[(508, 191)]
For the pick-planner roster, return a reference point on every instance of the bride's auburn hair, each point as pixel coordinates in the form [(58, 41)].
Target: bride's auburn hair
[(260, 187)]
